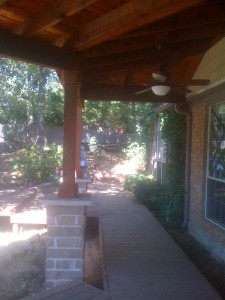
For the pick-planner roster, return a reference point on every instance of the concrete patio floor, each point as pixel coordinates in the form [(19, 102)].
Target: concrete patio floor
[(141, 261)]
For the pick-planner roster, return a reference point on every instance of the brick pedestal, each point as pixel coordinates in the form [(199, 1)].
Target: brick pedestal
[(65, 242)]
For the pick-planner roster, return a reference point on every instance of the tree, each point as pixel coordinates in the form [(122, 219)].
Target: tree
[(28, 92), (146, 118), (110, 115), (132, 117)]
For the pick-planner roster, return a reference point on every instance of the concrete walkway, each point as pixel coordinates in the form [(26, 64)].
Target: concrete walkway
[(141, 261)]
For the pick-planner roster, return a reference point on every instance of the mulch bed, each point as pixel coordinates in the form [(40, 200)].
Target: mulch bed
[(92, 254), (211, 267)]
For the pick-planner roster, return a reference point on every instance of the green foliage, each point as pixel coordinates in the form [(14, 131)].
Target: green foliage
[(136, 154), (173, 130), (27, 92), (132, 180), (38, 165), (146, 117), (113, 115), (163, 204), (166, 201), (54, 108), (149, 193), (146, 191)]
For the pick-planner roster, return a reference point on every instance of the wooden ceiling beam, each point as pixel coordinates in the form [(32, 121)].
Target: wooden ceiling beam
[(126, 18), (52, 15), (113, 92), (172, 52), (215, 13), (2, 2), (35, 51), (154, 40)]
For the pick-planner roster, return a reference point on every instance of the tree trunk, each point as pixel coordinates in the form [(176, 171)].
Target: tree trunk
[(41, 141)]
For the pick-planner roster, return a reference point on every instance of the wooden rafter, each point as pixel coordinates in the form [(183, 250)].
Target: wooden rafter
[(126, 94), (215, 15), (126, 18), (172, 53), (166, 38), (52, 15), (2, 2), (113, 44)]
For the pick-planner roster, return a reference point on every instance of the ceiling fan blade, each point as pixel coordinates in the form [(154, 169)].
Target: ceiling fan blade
[(143, 91), (180, 90), (159, 77)]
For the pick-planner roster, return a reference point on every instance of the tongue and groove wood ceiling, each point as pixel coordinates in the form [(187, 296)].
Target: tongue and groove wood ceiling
[(114, 44)]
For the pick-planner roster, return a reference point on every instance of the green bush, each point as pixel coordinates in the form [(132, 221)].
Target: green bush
[(173, 210), (149, 193), (38, 165), (164, 204), (131, 181), (146, 190)]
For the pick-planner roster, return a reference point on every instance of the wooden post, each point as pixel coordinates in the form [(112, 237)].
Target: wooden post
[(68, 188), (78, 136)]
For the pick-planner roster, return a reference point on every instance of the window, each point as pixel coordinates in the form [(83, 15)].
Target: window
[(215, 207)]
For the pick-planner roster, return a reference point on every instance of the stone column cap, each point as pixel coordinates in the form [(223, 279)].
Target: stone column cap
[(55, 201)]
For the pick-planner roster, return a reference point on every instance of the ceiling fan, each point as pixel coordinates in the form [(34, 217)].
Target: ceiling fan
[(162, 84)]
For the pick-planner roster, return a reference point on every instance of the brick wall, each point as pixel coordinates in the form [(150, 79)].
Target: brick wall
[(197, 163), (201, 228), (65, 243)]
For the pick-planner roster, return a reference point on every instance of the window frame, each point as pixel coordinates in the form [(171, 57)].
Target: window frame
[(208, 177)]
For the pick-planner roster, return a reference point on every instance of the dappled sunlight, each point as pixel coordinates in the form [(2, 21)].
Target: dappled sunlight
[(117, 172), (7, 175), (8, 238), (8, 193), (106, 187), (110, 173), (110, 191), (126, 168)]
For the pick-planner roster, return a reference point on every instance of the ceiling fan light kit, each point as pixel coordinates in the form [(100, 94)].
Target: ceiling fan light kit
[(161, 90), (161, 84)]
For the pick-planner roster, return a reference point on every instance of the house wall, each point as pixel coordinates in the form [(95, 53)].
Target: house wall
[(204, 230), (212, 67)]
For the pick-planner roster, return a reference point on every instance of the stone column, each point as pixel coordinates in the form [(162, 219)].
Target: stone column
[(65, 241)]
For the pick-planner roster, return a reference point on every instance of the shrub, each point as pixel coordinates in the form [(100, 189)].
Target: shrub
[(149, 193), (164, 204), (131, 181), (38, 165), (146, 190), (173, 211)]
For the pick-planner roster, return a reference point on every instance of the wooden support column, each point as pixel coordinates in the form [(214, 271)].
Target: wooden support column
[(68, 188), (78, 135)]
